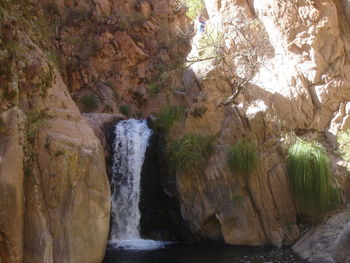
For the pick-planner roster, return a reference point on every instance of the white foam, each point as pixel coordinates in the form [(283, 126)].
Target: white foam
[(138, 244)]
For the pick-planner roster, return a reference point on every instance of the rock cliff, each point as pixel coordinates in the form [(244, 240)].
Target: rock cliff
[(260, 70), (283, 66), (58, 59), (55, 196)]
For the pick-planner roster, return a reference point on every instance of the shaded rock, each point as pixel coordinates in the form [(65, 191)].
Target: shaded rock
[(102, 124), (68, 195), (11, 187), (319, 243), (342, 245)]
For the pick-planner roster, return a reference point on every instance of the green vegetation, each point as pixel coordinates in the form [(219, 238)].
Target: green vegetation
[(89, 102), (310, 177), (243, 157), (153, 89), (125, 109), (195, 7), (107, 108), (34, 121), (344, 146), (46, 79), (190, 152), (169, 115), (53, 57)]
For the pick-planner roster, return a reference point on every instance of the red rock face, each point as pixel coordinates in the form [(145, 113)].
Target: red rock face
[(120, 46)]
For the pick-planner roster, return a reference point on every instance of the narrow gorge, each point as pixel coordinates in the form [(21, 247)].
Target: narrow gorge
[(174, 131)]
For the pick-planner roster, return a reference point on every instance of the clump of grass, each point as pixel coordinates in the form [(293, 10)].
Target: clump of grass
[(310, 177), (344, 146), (169, 115), (107, 108), (243, 157), (53, 57), (153, 89), (125, 109), (34, 121), (190, 152), (89, 102)]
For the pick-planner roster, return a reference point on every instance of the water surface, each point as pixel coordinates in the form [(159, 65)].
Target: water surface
[(188, 253)]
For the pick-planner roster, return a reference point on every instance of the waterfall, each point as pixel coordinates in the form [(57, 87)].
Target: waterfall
[(130, 144)]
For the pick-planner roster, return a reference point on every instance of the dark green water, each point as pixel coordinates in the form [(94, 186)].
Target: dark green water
[(203, 253)]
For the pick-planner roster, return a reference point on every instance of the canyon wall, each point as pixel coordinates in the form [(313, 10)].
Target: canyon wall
[(58, 59), (300, 54), (115, 59)]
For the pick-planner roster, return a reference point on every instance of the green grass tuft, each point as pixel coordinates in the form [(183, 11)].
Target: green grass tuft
[(169, 115), (34, 121), (190, 152), (153, 89), (125, 109), (310, 177), (243, 157), (89, 102)]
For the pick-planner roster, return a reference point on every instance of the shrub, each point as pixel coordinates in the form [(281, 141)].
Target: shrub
[(34, 121), (169, 115), (344, 146), (243, 157), (190, 152), (153, 89), (89, 102), (53, 57), (310, 177), (195, 7), (125, 109), (107, 108)]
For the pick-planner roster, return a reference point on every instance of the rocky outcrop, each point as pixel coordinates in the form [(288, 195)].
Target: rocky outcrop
[(220, 205), (127, 56), (67, 191), (55, 196), (122, 53), (102, 125), (342, 246), (326, 243), (300, 82), (11, 187)]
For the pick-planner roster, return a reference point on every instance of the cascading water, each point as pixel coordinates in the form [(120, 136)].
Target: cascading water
[(130, 144), (131, 141)]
